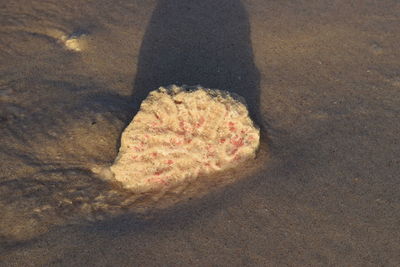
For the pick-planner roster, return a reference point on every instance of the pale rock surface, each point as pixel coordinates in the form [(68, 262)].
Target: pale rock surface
[(181, 133)]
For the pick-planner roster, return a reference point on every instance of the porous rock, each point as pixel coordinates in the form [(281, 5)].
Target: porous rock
[(182, 133)]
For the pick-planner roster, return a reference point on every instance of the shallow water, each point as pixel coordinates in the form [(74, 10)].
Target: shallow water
[(322, 80)]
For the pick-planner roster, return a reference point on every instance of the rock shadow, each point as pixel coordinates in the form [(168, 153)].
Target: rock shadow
[(198, 42)]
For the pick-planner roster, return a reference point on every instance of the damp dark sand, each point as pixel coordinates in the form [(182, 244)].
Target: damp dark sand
[(322, 79)]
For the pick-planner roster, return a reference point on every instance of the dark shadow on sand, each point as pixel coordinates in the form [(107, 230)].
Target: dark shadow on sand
[(198, 42)]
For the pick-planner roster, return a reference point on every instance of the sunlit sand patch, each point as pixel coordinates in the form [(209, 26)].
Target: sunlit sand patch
[(181, 134)]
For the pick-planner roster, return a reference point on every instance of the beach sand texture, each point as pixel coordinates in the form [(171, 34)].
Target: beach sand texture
[(321, 79)]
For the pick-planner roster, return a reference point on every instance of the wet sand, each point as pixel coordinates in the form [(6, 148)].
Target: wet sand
[(321, 78)]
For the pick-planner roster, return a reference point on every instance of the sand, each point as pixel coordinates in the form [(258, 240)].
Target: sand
[(321, 79)]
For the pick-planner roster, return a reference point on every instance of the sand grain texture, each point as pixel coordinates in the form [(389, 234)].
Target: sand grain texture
[(321, 80)]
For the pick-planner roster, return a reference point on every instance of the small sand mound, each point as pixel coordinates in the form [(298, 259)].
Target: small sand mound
[(181, 133)]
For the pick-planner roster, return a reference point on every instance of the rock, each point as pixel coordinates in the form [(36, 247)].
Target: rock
[(77, 41), (181, 133)]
